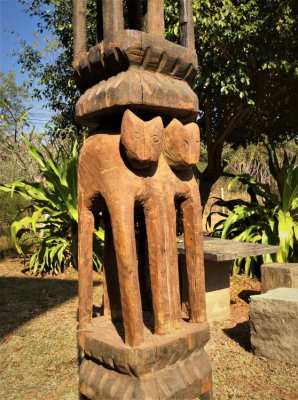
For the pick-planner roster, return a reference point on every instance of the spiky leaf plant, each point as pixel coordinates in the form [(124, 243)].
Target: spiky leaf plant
[(51, 221), (268, 218)]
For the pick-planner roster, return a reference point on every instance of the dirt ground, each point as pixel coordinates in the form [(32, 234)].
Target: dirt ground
[(38, 352)]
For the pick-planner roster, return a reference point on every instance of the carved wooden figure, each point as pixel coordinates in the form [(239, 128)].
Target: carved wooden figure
[(117, 188), (135, 170)]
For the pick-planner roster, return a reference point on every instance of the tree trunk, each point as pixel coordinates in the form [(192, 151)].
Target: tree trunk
[(205, 186), (212, 172)]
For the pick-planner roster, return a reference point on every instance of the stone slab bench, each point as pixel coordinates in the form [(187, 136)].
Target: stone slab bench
[(276, 275), (274, 324), (219, 255)]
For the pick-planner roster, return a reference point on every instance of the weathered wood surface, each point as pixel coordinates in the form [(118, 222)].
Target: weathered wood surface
[(177, 362), (142, 91), (116, 53), (117, 173), (186, 24), (134, 172), (134, 48), (216, 249), (79, 28), (190, 378), (105, 342)]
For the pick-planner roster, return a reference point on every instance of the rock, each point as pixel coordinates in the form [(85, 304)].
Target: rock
[(276, 275), (274, 324)]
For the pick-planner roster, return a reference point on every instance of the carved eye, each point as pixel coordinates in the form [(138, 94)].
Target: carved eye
[(186, 141), (137, 135), (155, 139)]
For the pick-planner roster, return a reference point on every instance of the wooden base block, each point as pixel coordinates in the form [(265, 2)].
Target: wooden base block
[(173, 366)]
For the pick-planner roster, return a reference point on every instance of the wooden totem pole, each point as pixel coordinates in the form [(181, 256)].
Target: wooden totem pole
[(135, 170)]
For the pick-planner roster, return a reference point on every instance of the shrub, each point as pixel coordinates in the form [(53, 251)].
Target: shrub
[(268, 218), (51, 223)]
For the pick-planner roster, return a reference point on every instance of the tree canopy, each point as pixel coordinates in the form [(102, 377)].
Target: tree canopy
[(248, 79), (13, 109), (14, 122)]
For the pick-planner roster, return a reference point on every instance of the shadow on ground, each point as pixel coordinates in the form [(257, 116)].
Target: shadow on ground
[(245, 294), (240, 333), (23, 299)]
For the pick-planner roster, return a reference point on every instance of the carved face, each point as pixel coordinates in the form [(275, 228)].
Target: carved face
[(181, 144), (142, 141)]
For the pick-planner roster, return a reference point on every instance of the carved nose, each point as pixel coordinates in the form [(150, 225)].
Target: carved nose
[(191, 158), (144, 149)]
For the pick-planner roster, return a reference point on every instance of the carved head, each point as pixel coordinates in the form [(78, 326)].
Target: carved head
[(141, 140), (181, 144)]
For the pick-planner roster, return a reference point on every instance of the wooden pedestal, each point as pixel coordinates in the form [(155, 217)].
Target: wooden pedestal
[(173, 366)]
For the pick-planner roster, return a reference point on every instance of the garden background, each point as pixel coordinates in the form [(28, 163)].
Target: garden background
[(248, 174)]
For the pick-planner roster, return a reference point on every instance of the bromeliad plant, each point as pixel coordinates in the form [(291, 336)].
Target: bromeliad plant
[(50, 225), (268, 218)]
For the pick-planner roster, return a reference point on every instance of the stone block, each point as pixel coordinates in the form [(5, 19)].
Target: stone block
[(217, 285), (274, 324), (217, 282), (276, 275)]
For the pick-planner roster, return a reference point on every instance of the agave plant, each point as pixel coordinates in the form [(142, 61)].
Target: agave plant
[(51, 221), (268, 218)]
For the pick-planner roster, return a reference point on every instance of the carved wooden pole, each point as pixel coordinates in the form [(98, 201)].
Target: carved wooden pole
[(79, 27), (113, 20), (186, 24), (135, 170), (155, 17), (85, 236)]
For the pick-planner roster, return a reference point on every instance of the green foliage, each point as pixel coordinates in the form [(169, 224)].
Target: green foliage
[(50, 225), (248, 80), (268, 218), (13, 111), (14, 159)]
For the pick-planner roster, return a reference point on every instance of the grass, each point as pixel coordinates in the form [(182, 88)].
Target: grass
[(237, 373), (38, 346), (38, 335)]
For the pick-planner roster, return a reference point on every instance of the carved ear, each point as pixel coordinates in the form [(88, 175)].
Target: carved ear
[(157, 124), (193, 129), (129, 119), (174, 126)]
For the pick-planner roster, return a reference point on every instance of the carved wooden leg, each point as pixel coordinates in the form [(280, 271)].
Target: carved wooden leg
[(85, 264), (192, 221), (171, 250), (122, 219), (112, 304), (159, 266)]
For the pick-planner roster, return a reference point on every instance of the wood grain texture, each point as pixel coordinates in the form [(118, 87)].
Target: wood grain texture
[(113, 20), (140, 91), (104, 342), (146, 30), (155, 23), (85, 266), (108, 171), (136, 173), (186, 24), (134, 48), (169, 366), (79, 27), (188, 379)]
